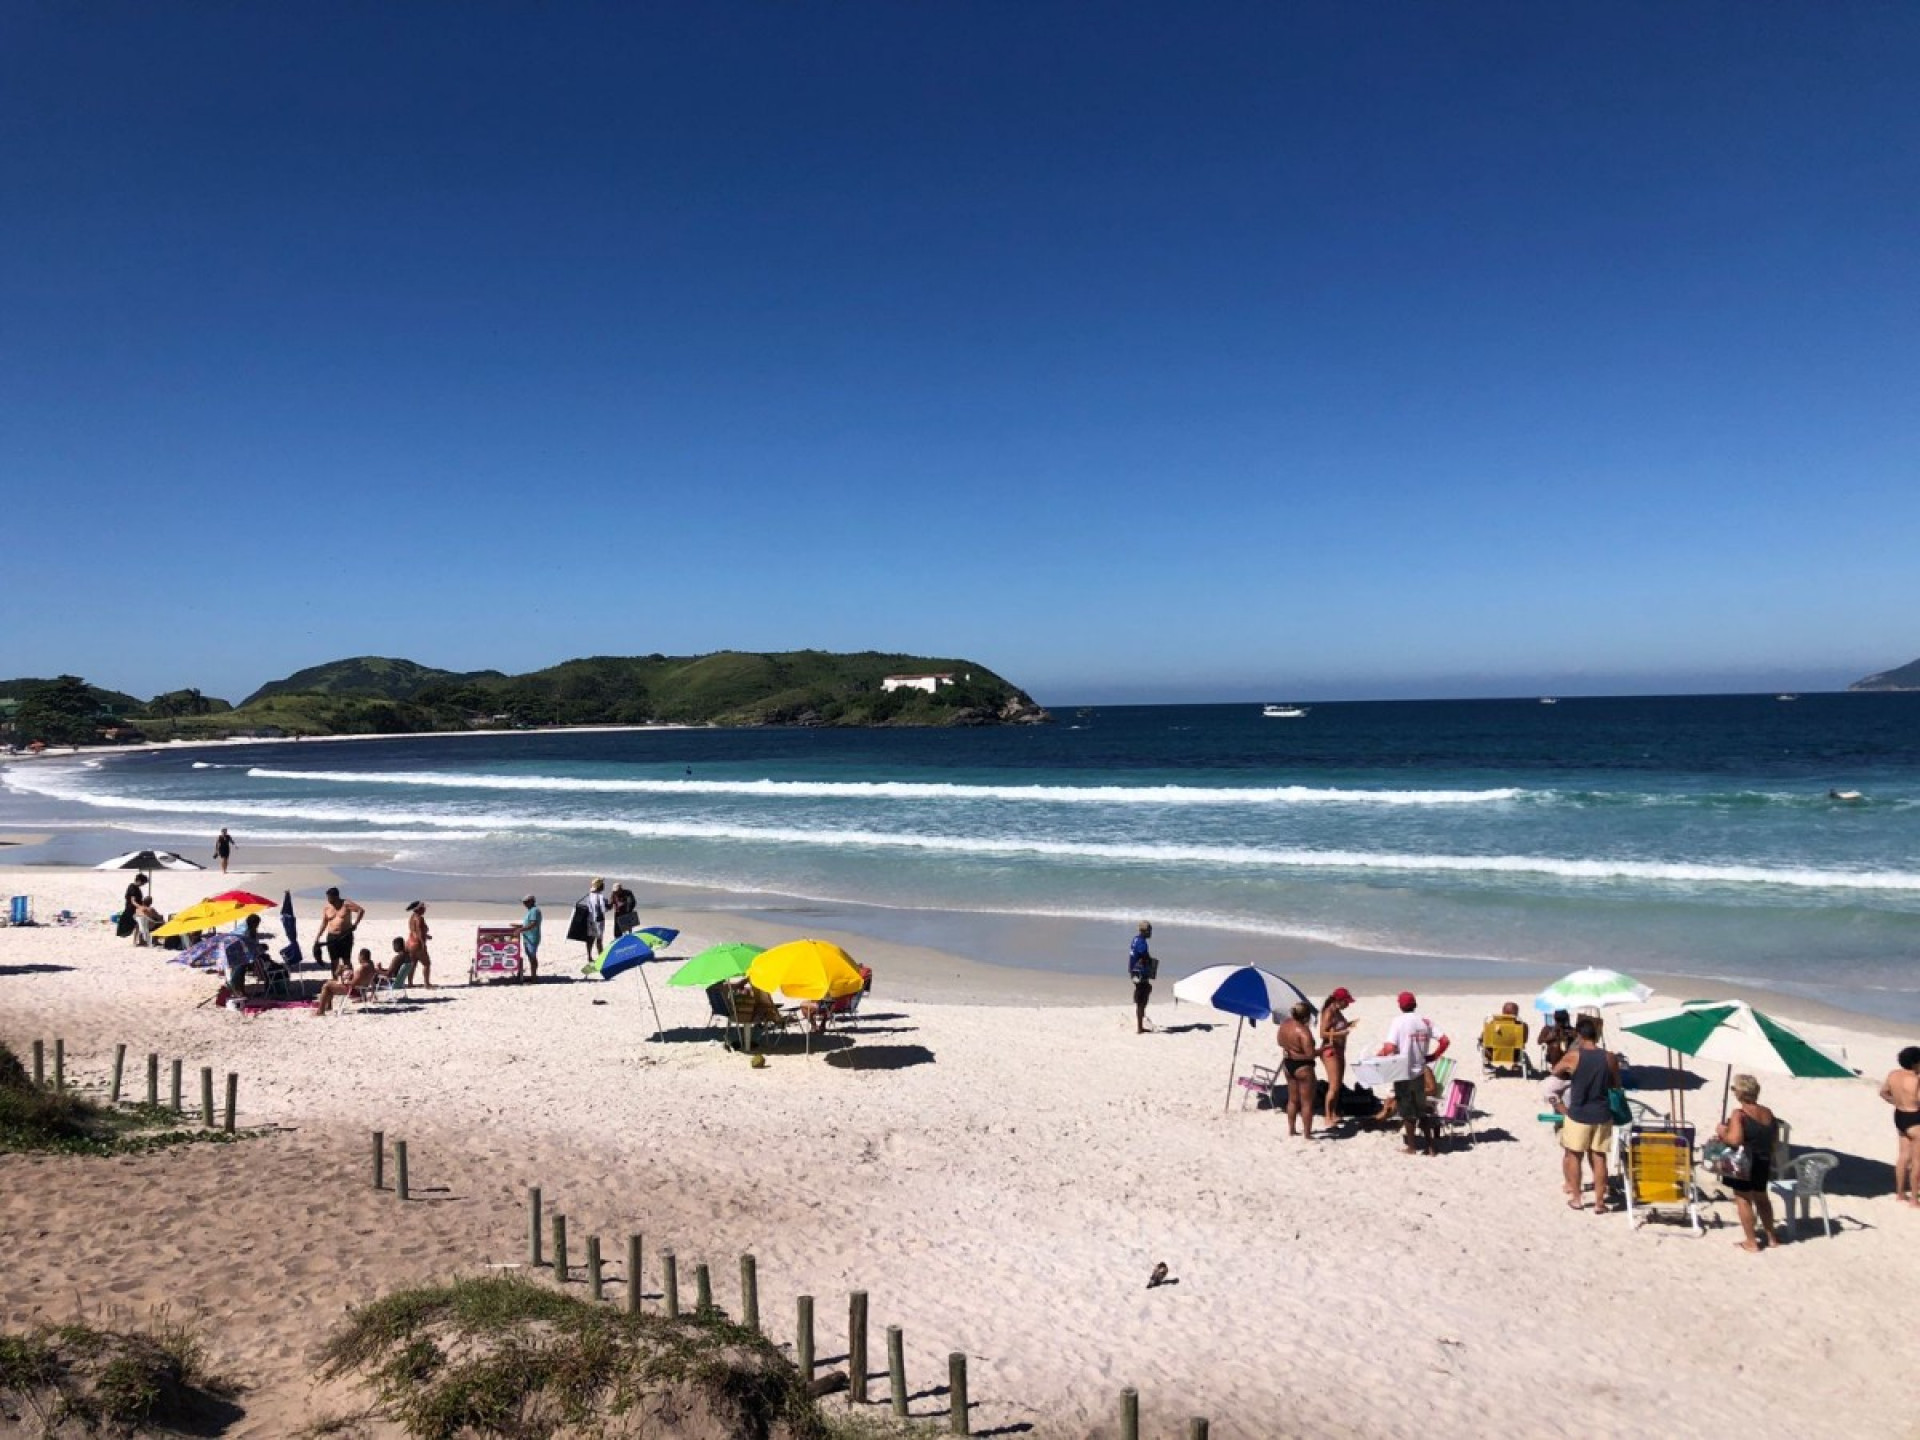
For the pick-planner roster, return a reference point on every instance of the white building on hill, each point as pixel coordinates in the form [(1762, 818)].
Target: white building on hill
[(928, 683)]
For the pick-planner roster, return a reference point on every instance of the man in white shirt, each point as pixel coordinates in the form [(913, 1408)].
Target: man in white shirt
[(1411, 1038)]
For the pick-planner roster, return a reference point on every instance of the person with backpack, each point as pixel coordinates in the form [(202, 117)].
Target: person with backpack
[(1142, 968)]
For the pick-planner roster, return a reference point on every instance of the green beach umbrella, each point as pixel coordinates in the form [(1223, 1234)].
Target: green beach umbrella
[(1734, 1034), (1590, 987), (716, 963)]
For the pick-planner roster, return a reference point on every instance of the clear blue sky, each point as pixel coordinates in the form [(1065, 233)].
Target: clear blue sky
[(1174, 351)]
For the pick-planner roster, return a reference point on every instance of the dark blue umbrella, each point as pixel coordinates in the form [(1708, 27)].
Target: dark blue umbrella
[(629, 952), (291, 952)]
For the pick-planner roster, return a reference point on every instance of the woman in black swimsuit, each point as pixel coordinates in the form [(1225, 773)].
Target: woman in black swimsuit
[(1754, 1126), (1296, 1058)]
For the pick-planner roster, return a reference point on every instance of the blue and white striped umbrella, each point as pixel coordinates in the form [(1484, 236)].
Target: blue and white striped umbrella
[(1243, 990)]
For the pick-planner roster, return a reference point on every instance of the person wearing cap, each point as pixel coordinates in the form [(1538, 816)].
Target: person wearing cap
[(1411, 1038), (1142, 968), (417, 937), (1334, 1029), (529, 928)]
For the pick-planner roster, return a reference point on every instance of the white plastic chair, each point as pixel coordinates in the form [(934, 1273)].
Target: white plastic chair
[(1808, 1183)]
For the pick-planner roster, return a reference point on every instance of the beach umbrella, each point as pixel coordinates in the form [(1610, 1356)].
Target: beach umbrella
[(216, 952), (1734, 1034), (207, 915), (149, 860), (629, 952), (289, 928), (1590, 987), (243, 897), (715, 964), (806, 970), (1245, 991), (656, 937)]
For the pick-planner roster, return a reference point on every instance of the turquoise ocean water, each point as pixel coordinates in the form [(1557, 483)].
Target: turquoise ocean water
[(1688, 835)]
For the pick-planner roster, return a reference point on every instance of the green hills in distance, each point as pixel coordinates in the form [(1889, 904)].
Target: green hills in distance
[(1905, 677), (370, 694)]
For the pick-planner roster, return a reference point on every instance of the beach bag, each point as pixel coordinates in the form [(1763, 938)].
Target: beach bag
[(123, 923), (1729, 1162), (1618, 1108), (581, 926)]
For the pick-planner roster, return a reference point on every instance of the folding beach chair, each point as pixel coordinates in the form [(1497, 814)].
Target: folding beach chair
[(1659, 1173), (1266, 1081), (1455, 1109), (1503, 1048), (386, 988), (496, 954)]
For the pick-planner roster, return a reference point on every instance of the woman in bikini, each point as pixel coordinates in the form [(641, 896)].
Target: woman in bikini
[(1296, 1058), (1334, 1028), (417, 937)]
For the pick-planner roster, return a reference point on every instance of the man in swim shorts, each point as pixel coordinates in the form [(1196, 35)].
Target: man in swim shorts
[(338, 921), (1902, 1091)]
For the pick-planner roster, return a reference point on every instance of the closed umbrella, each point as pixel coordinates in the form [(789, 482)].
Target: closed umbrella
[(1242, 990), (289, 927)]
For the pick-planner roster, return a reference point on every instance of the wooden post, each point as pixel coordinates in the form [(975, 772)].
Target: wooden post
[(1129, 1414), (593, 1267), (560, 1248), (206, 1096), (233, 1101), (857, 1345), (749, 1293), (702, 1290), (1197, 1428), (379, 1159), (153, 1081), (119, 1064), (533, 1226), (633, 1274), (897, 1369), (59, 1064), (400, 1168), (957, 1394), (670, 1282), (39, 1063), (176, 1087), (803, 1336)]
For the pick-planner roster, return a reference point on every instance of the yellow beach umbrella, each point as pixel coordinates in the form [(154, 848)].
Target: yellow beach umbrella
[(805, 970), (207, 915)]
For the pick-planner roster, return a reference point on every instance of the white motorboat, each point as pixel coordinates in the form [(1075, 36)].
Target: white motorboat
[(1284, 712), (1549, 700)]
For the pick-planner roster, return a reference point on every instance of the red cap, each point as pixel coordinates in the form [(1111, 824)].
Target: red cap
[(1343, 995), (1407, 1002)]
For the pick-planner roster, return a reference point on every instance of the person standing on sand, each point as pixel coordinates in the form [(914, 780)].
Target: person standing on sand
[(223, 848), (624, 908), (1141, 969), (1296, 1058), (338, 920), (137, 900), (417, 937), (1754, 1126), (1588, 1128), (1411, 1038), (529, 928), (593, 912), (1902, 1091), (1334, 1029)]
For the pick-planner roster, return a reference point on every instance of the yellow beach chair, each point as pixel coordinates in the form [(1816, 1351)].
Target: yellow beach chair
[(1503, 1047), (1659, 1173)]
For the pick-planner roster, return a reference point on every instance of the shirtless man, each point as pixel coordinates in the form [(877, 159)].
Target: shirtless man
[(337, 924), (1902, 1091), (360, 979)]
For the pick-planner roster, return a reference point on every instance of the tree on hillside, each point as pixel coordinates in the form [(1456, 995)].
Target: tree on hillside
[(61, 712)]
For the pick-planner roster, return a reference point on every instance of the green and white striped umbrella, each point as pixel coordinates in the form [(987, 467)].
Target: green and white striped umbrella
[(1590, 987), (1732, 1032)]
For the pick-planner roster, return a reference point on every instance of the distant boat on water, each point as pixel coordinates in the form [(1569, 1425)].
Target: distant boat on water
[(1549, 700), (1786, 697), (1284, 712)]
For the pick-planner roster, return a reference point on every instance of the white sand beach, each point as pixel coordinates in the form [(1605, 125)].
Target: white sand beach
[(995, 1158)]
